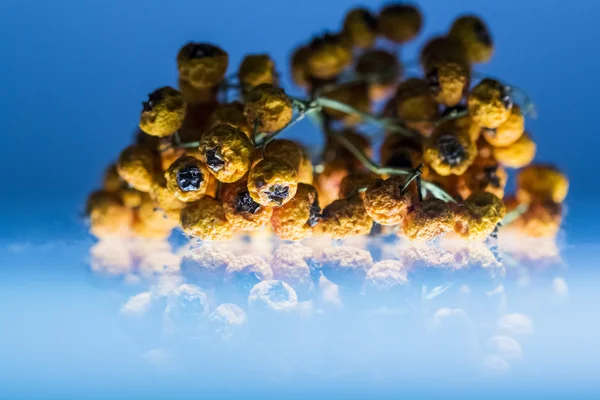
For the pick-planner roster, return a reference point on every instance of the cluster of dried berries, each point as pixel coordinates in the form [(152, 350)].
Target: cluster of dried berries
[(214, 167)]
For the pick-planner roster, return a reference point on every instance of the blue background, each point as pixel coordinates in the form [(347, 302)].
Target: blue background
[(74, 72)]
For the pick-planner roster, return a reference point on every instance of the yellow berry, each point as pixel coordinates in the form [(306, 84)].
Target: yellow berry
[(272, 182), (449, 153), (205, 219), (295, 219), (241, 210), (269, 107), (345, 218), (517, 155), (256, 69), (163, 113), (202, 64), (329, 56), (508, 132), (541, 183), (137, 165), (480, 214), (385, 201), (475, 38), (360, 26), (187, 178), (428, 220), (231, 114), (400, 23), (489, 103), (226, 151)]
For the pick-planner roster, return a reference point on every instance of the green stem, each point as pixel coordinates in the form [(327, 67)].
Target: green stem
[(514, 214), (385, 123), (263, 139), (189, 145), (364, 159)]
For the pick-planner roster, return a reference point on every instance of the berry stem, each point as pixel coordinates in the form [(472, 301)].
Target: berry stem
[(514, 214), (385, 123)]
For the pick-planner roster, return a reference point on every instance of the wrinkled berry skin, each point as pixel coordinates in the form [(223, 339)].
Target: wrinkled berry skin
[(295, 219), (415, 104), (329, 55), (517, 155), (509, 132), (382, 70), (447, 82), (108, 217), (345, 218), (483, 176), (285, 150), (231, 114), (360, 27), (428, 220), (269, 107), (154, 216), (165, 198), (226, 152), (272, 182), (542, 219), (385, 202), (541, 183), (163, 113), (350, 185), (241, 210), (479, 216), (187, 178), (449, 153), (206, 220), (256, 69), (475, 38), (299, 69), (400, 23), (112, 182), (202, 65), (489, 103), (137, 165)]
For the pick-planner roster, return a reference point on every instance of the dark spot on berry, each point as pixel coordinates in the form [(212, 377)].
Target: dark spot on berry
[(201, 50), (315, 214), (189, 178), (278, 193), (451, 150), (369, 20), (153, 99), (260, 183), (433, 81), (400, 159), (243, 203), (214, 160), (490, 173), (482, 33)]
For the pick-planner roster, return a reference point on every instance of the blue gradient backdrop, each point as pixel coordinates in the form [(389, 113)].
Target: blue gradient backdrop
[(72, 76)]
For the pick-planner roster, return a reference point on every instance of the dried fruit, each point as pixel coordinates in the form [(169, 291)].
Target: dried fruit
[(163, 113), (226, 151), (295, 219), (272, 182)]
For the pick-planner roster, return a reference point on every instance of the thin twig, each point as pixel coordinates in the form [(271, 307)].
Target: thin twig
[(189, 145), (385, 123), (514, 214), (415, 175)]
